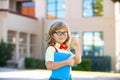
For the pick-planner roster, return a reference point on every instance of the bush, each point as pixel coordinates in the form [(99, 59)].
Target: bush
[(6, 50), (100, 63), (32, 63), (85, 65)]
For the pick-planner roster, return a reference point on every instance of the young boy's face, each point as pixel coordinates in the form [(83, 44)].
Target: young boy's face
[(60, 35)]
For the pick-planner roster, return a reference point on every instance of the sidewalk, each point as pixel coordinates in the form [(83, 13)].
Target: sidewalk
[(17, 74)]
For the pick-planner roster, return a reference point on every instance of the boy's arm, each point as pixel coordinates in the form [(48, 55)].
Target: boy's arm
[(77, 57), (55, 65)]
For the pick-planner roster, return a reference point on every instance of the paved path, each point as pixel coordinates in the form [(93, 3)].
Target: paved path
[(15, 74)]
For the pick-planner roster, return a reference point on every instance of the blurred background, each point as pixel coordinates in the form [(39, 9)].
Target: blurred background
[(24, 25)]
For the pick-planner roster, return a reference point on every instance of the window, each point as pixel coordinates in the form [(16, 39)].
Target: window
[(93, 43), (55, 9), (23, 44), (12, 37), (92, 8), (28, 8), (32, 45)]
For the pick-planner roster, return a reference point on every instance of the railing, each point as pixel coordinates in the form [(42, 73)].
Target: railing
[(100, 63)]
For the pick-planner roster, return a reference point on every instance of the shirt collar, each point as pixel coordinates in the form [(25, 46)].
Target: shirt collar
[(57, 45)]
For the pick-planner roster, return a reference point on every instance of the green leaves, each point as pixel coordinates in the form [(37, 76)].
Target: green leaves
[(5, 52)]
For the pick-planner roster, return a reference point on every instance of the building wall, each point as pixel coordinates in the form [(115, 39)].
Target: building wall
[(23, 24), (40, 27), (79, 24), (26, 25), (19, 24), (4, 4), (1, 20), (2, 26)]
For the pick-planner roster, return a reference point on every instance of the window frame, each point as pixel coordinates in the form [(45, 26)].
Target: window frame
[(94, 14), (93, 44), (56, 11), (29, 8)]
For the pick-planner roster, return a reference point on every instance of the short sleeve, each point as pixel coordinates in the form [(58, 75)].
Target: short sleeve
[(49, 54)]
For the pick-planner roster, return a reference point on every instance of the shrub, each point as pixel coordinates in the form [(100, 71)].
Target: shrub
[(100, 63), (32, 63), (85, 65), (6, 50)]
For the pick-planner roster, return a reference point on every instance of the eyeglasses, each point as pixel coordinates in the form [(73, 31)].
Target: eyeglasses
[(59, 33)]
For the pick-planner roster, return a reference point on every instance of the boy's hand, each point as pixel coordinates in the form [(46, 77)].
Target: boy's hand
[(75, 41)]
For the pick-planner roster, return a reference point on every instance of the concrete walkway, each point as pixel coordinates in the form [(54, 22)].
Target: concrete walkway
[(17, 74)]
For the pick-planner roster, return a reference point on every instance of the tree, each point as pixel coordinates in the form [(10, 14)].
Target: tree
[(98, 8), (6, 50)]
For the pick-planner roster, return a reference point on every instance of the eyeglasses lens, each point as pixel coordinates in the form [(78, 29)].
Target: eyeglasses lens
[(61, 33)]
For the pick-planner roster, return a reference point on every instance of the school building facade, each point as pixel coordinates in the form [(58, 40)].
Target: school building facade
[(26, 23)]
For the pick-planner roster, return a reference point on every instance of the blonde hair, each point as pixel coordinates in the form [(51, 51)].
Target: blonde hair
[(53, 28)]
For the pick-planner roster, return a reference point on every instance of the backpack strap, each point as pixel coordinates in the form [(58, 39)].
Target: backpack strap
[(55, 49)]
